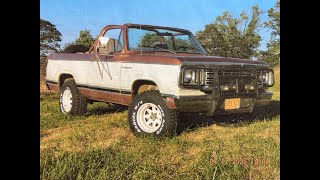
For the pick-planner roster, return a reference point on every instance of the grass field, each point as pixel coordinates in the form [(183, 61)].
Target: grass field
[(100, 145)]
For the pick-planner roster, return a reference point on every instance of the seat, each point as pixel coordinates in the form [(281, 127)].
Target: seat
[(107, 45)]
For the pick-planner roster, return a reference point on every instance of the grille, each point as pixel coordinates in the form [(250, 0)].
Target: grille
[(235, 73), (210, 79), (237, 79)]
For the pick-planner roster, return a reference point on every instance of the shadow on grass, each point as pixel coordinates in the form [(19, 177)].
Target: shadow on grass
[(106, 110), (189, 122), (192, 121)]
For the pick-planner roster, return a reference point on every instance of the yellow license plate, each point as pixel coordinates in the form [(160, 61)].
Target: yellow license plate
[(233, 103)]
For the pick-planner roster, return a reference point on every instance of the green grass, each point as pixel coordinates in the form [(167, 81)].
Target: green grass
[(100, 145)]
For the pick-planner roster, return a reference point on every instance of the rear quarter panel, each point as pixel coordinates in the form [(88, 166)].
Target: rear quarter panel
[(77, 68)]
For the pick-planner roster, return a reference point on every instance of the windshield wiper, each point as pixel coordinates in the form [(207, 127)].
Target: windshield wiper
[(163, 49)]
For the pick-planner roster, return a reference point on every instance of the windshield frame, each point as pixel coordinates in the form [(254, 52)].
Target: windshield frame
[(146, 27)]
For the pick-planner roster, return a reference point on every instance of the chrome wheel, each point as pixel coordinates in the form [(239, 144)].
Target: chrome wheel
[(149, 117)]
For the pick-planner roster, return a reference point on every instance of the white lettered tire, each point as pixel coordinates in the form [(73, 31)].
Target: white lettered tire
[(149, 115), (71, 102)]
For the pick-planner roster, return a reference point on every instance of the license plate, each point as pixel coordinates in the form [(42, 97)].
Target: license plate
[(233, 103)]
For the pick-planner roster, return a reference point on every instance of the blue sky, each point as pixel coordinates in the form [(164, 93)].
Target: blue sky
[(71, 16)]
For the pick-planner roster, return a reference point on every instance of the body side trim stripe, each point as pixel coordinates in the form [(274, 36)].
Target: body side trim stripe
[(104, 89)]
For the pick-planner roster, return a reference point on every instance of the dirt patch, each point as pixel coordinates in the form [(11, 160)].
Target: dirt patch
[(44, 89)]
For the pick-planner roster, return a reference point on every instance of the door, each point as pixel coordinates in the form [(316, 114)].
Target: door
[(105, 64), (104, 73)]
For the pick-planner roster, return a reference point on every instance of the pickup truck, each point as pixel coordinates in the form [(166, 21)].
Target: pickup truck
[(158, 72)]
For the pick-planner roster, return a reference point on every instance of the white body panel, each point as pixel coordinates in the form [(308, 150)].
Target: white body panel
[(104, 74), (166, 77), (78, 69), (120, 75)]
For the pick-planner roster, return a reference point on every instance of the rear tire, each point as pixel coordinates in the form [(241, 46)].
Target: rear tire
[(71, 102), (149, 115)]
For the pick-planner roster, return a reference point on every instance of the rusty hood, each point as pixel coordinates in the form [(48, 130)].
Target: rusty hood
[(192, 59), (219, 60)]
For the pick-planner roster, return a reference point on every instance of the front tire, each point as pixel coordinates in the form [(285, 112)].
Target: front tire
[(149, 115), (71, 101)]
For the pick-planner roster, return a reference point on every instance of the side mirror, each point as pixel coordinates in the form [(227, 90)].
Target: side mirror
[(103, 41), (100, 48), (102, 45)]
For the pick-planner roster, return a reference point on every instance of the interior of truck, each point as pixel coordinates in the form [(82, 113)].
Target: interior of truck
[(108, 45)]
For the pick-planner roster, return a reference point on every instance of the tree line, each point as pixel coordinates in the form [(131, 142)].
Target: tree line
[(226, 36)]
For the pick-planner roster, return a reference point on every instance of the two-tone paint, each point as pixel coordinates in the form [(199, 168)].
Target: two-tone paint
[(112, 77)]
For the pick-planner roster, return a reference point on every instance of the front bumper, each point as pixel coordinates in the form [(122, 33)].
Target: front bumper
[(263, 99), (214, 104)]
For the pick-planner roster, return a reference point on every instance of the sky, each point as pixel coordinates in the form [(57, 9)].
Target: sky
[(71, 16)]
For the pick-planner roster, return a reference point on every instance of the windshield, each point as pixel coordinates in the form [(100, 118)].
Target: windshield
[(157, 39)]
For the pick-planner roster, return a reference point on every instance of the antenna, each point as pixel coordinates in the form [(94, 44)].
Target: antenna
[(141, 44)]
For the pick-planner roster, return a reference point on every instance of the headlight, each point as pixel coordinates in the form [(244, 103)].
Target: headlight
[(187, 76), (192, 77), (266, 78)]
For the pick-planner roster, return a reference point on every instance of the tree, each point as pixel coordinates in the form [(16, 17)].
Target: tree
[(150, 38), (272, 54), (49, 38), (85, 38), (233, 37), (74, 48), (81, 44), (274, 22)]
